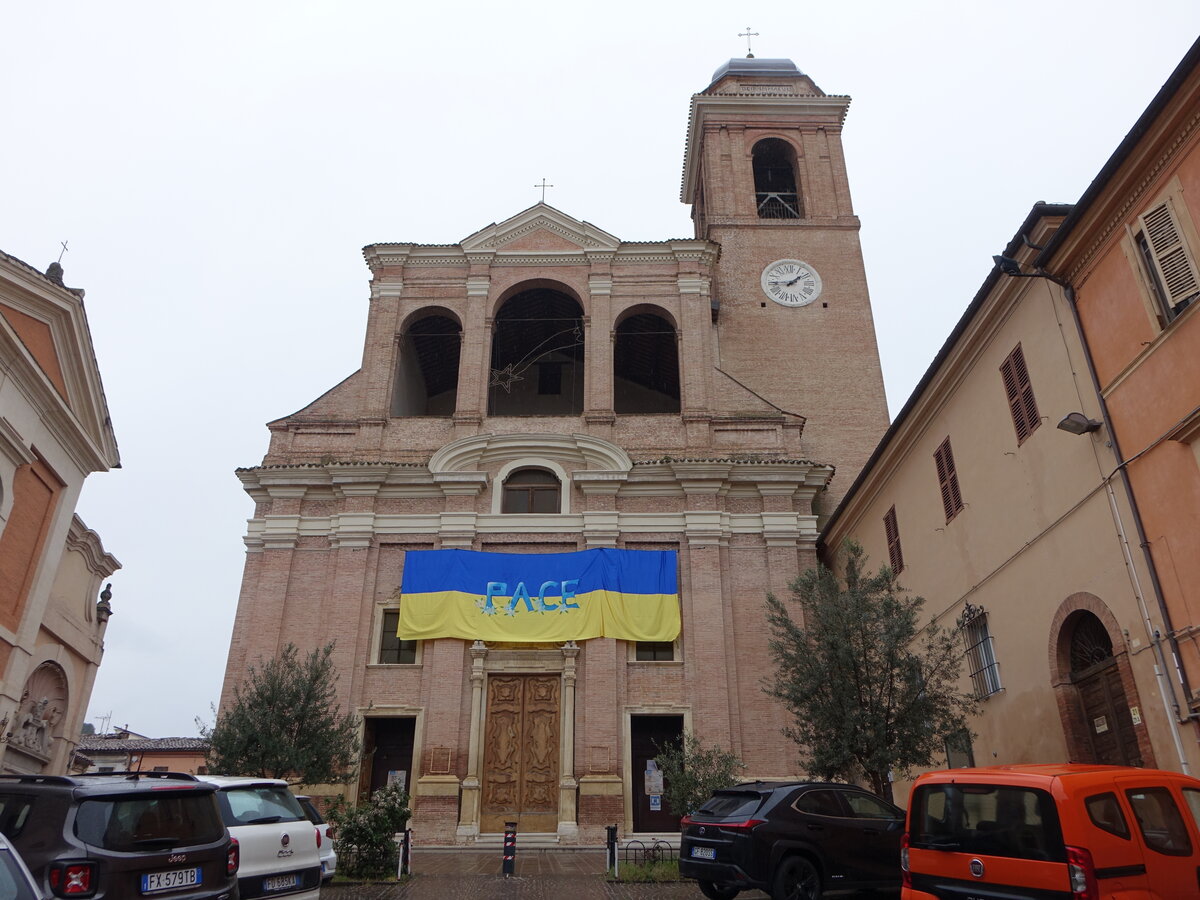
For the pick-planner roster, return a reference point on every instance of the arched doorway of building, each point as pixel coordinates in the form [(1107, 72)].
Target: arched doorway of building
[(537, 356), (1096, 675)]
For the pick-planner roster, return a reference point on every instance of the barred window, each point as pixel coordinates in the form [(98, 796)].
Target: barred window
[(1021, 402), (392, 650), (892, 530), (948, 480), (980, 652)]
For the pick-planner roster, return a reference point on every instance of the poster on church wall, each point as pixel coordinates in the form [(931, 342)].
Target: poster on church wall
[(632, 595)]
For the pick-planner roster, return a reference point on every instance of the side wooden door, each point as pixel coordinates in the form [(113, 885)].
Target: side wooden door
[(520, 753)]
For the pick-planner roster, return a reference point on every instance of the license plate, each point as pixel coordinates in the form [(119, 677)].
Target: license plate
[(704, 852), (153, 882), (281, 882)]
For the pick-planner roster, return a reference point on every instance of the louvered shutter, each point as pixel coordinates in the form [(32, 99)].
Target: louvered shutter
[(1175, 266), (948, 480), (1021, 402), (892, 530)]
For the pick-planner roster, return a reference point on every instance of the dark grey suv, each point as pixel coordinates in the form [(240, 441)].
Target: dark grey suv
[(120, 836), (795, 840)]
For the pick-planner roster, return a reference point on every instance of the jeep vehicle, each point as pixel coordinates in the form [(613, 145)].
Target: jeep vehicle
[(120, 836), (279, 847), (1070, 831), (794, 840)]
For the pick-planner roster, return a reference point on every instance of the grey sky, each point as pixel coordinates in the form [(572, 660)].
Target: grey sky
[(217, 168)]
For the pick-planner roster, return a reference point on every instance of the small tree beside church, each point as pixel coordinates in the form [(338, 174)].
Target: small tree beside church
[(284, 722), (870, 692), (692, 770)]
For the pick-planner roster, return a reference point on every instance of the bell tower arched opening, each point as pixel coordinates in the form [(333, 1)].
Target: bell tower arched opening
[(427, 368), (776, 193), (537, 356), (645, 365)]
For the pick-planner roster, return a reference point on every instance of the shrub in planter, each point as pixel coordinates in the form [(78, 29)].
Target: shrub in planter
[(365, 844)]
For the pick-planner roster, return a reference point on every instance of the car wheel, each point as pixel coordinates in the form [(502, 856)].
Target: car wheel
[(797, 879), (718, 891)]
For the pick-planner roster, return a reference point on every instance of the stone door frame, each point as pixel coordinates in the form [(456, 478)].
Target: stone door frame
[(629, 778), (487, 661)]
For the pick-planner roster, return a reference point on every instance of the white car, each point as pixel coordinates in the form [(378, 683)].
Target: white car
[(15, 881), (278, 844), (328, 851)]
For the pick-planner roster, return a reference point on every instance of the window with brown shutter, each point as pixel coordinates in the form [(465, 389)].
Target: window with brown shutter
[(1021, 402), (1173, 273), (948, 480), (892, 530)]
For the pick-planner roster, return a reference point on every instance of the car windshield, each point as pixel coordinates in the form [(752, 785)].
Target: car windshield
[(147, 821), (987, 819), (14, 884), (730, 804), (310, 810), (259, 804)]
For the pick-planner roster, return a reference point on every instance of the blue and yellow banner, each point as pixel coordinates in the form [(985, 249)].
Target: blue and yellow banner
[(628, 594)]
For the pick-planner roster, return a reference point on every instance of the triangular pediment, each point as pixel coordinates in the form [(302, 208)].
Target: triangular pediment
[(47, 345), (542, 229)]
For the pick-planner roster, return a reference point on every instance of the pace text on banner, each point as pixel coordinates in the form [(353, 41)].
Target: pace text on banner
[(555, 597)]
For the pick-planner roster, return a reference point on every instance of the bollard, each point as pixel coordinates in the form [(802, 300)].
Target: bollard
[(610, 844), (510, 848), (406, 853)]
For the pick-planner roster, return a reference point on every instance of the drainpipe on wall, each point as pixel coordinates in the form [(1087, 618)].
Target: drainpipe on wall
[(1173, 715)]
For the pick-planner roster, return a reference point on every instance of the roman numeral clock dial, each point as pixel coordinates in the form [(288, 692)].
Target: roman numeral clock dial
[(791, 282)]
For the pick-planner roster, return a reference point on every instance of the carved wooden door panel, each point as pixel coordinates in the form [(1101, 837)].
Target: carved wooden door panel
[(1109, 723), (520, 753)]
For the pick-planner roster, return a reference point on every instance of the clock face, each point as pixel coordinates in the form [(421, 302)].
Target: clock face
[(791, 282)]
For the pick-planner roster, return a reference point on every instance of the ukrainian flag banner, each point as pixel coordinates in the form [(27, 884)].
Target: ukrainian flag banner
[(526, 598)]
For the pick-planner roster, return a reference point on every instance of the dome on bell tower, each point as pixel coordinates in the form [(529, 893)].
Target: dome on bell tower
[(753, 66)]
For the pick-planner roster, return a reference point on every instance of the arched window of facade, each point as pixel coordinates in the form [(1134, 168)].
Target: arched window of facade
[(775, 184), (427, 370), (645, 365), (537, 356), (531, 491)]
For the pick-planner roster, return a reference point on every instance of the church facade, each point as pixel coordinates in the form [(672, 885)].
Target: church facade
[(546, 387)]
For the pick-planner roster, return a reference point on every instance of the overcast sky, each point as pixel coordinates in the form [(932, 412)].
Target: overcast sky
[(216, 169)]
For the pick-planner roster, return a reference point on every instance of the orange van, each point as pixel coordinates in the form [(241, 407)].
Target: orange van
[(1052, 832)]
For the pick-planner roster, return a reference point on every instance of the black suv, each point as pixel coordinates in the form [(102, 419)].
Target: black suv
[(791, 839), (120, 836)]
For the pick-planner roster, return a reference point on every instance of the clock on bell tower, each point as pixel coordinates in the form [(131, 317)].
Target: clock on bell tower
[(766, 178)]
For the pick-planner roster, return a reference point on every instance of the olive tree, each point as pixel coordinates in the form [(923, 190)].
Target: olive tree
[(284, 722), (871, 691)]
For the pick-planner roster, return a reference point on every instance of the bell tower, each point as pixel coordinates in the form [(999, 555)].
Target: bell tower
[(766, 179)]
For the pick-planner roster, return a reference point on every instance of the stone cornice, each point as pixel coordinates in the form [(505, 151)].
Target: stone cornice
[(87, 543), (1084, 244)]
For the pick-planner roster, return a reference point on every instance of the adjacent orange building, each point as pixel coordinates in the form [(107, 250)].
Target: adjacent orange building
[(1041, 487), (1128, 255)]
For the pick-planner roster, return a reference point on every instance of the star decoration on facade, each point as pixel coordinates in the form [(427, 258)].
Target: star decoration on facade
[(505, 377)]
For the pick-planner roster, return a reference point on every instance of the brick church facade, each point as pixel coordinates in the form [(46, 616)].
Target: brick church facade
[(543, 387)]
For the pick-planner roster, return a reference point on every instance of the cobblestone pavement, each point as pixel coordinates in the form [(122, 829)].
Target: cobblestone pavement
[(540, 875)]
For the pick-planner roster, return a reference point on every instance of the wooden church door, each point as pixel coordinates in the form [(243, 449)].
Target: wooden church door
[(520, 753)]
